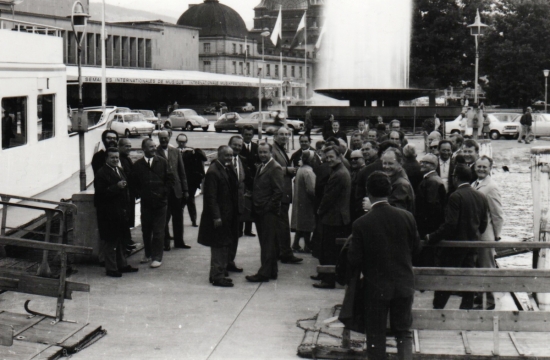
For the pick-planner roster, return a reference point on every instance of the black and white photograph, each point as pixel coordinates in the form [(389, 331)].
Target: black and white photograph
[(274, 179)]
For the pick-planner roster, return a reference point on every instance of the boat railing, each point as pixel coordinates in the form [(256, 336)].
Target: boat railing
[(29, 27)]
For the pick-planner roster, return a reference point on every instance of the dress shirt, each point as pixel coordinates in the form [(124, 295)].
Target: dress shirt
[(444, 172), (236, 166), (149, 161)]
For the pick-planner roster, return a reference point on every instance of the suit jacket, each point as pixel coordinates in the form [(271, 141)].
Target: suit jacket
[(220, 202), (251, 161), (465, 216), (361, 190), (193, 162), (175, 161), (334, 207), (98, 160), (431, 198), (402, 193), (415, 175), (111, 203), (496, 214), (450, 185), (383, 242), (152, 183), (297, 156), (268, 189), (241, 182), (280, 156), (339, 135)]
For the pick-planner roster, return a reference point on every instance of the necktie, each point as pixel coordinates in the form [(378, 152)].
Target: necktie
[(236, 167), (476, 184), (149, 161)]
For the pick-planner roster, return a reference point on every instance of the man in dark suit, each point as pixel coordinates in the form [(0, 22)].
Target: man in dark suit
[(152, 178), (193, 162), (124, 148), (266, 199), (334, 213), (283, 229), (240, 172), (111, 200), (445, 166), (177, 195), (109, 139), (465, 220), (250, 153), (382, 245), (220, 212), (337, 133), (305, 144)]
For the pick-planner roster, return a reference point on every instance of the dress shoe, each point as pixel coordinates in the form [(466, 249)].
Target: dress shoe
[(291, 260), (324, 285), (145, 259), (273, 277), (250, 234), (113, 273), (228, 279), (256, 278), (128, 269), (194, 224), (316, 277), (184, 246), (222, 283), (234, 268), (156, 264), (167, 248)]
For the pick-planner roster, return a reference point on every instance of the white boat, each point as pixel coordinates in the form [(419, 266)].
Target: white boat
[(33, 91)]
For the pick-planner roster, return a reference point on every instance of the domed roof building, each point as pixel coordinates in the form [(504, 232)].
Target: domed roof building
[(214, 19)]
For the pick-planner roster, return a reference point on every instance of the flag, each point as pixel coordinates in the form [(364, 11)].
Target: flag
[(318, 44), (276, 34), (245, 48), (300, 36)]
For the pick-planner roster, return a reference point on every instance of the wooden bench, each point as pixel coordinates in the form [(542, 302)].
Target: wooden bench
[(23, 282), (477, 280)]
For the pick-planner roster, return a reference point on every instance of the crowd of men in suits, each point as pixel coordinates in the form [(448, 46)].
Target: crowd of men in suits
[(372, 187)]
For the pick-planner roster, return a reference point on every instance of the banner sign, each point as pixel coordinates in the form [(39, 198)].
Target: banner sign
[(124, 80)]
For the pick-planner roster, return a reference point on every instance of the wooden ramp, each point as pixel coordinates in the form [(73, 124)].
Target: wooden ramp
[(323, 340), (38, 337)]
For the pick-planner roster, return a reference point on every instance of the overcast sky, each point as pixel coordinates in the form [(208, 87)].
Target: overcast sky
[(175, 8)]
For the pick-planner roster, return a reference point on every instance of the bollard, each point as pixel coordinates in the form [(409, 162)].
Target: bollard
[(485, 148), (540, 170)]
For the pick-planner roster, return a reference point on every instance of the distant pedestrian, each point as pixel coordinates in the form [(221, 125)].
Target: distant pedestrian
[(308, 123), (220, 212), (327, 127), (152, 178), (363, 128), (337, 133), (526, 123)]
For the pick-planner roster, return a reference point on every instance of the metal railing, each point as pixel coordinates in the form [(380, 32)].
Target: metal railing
[(24, 26)]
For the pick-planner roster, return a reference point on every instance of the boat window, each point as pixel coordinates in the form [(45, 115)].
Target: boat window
[(14, 122), (46, 116)]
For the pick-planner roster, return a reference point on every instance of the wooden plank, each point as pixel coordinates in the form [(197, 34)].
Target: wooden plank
[(9, 284), (19, 322), (70, 249), (496, 340), (44, 332), (82, 336), (21, 350), (481, 272), (30, 284), (465, 342), (496, 244), (416, 341), (517, 344), (480, 320), (6, 334)]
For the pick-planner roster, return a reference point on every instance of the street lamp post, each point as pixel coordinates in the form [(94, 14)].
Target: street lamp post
[(476, 29), (546, 72), (264, 34), (79, 20)]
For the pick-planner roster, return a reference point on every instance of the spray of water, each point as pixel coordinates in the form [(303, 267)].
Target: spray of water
[(366, 45)]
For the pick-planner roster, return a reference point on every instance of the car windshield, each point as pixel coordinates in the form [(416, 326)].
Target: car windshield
[(231, 116), (133, 117), (189, 113), (505, 117), (147, 113)]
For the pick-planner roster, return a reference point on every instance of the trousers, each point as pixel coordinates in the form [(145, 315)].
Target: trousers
[(174, 211), (283, 233), (153, 221), (218, 262), (268, 244)]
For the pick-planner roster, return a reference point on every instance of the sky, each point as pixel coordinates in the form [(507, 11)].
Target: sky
[(175, 8)]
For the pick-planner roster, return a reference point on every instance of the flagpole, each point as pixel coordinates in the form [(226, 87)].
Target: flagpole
[(305, 56), (281, 75)]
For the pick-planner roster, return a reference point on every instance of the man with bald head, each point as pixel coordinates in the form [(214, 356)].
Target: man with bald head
[(178, 194), (280, 156)]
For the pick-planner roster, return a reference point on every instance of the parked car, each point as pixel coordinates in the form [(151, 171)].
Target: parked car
[(131, 124), (268, 124), (227, 122), (248, 107), (187, 119), (541, 123), (149, 115), (498, 128), (215, 108)]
